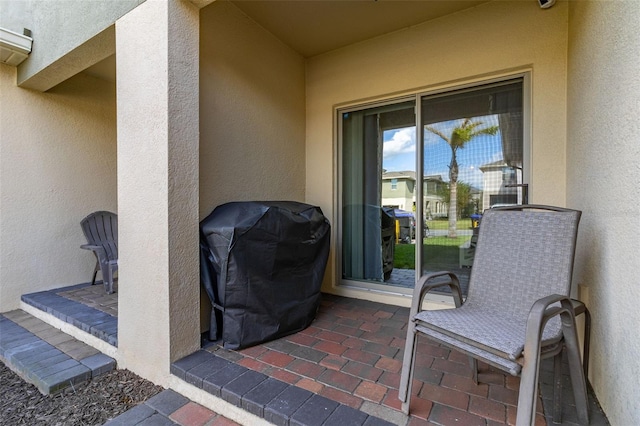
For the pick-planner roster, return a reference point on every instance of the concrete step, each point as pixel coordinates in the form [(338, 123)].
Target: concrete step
[(45, 356), (84, 306)]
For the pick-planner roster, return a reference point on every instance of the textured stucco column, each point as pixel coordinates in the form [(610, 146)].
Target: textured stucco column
[(157, 100), (603, 175)]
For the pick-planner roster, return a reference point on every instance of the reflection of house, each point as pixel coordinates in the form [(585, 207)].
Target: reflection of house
[(434, 206), (495, 176), (398, 190)]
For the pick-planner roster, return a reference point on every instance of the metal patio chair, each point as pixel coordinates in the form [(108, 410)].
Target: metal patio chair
[(101, 231), (518, 309)]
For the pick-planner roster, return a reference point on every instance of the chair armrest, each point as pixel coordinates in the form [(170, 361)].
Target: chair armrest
[(540, 310), (100, 252), (540, 313), (423, 287)]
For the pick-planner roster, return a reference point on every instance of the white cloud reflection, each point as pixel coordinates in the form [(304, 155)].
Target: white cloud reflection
[(402, 141)]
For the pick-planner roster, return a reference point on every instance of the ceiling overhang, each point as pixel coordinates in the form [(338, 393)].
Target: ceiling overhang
[(312, 27)]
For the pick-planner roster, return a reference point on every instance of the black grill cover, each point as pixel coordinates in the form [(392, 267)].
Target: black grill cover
[(262, 265)]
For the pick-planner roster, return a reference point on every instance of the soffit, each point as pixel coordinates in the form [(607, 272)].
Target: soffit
[(105, 69), (313, 27)]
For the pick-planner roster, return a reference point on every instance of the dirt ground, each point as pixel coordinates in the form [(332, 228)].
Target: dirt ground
[(93, 403)]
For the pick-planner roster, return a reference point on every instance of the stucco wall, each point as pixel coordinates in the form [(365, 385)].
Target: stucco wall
[(475, 44), (59, 28), (157, 101), (252, 118), (603, 179), (57, 164)]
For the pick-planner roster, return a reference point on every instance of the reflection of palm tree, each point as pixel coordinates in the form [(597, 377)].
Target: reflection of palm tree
[(458, 139)]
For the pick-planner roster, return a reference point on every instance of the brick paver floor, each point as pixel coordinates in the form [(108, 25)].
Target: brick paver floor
[(352, 354), (170, 408)]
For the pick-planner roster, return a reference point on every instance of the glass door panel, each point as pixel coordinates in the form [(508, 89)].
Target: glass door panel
[(407, 193), (378, 155), (472, 161)]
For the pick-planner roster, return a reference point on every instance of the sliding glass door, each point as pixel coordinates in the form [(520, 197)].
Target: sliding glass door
[(473, 159), (370, 142), (408, 195)]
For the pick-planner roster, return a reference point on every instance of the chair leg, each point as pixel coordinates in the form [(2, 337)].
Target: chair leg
[(95, 273), (557, 390), (528, 394), (576, 371), (587, 343), (408, 364), (473, 363), (107, 278)]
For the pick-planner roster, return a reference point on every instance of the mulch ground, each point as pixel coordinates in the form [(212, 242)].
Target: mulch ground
[(93, 403)]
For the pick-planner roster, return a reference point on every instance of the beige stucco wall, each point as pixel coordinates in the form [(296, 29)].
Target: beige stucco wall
[(603, 180), (68, 36), (479, 43), (252, 117), (157, 98), (57, 164)]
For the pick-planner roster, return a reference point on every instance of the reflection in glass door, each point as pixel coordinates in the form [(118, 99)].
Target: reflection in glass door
[(379, 193), (396, 209), (472, 160)]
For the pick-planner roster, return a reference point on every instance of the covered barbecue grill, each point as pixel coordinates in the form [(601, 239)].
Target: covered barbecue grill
[(262, 265)]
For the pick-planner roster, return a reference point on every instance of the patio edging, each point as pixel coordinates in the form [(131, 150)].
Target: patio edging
[(277, 402), (88, 319), (42, 363)]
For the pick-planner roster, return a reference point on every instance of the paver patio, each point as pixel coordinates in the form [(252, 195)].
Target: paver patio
[(352, 354)]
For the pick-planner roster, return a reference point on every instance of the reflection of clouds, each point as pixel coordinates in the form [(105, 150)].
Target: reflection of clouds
[(472, 176), (400, 146), (432, 138), (402, 142), (481, 150), (497, 156)]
